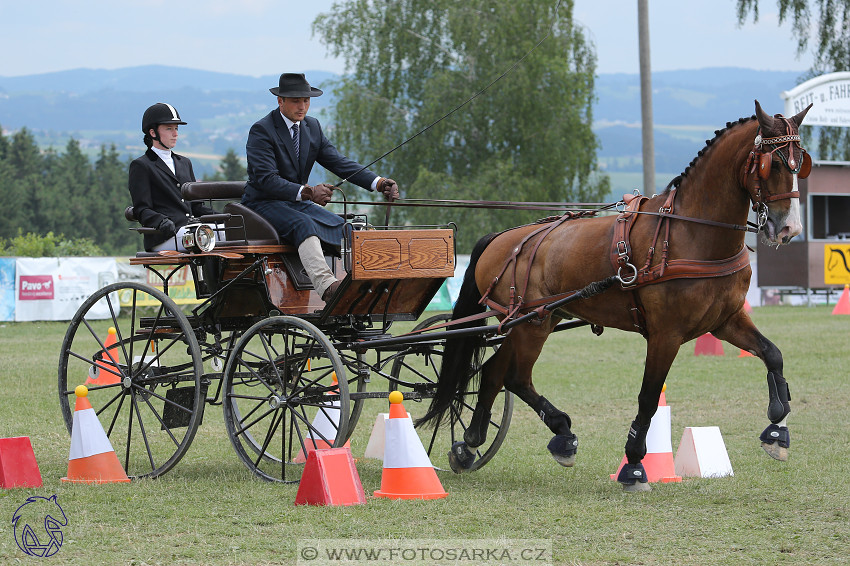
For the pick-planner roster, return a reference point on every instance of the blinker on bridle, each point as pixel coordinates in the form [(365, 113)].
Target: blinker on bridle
[(760, 161), (801, 169)]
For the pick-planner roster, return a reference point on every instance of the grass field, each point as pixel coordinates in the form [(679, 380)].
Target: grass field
[(211, 510)]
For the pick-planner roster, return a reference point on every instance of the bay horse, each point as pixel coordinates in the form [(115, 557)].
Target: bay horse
[(693, 278)]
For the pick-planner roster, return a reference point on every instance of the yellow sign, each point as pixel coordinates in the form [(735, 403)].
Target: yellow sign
[(181, 288), (836, 264)]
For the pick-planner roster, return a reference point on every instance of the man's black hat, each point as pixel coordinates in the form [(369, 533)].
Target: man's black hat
[(294, 85)]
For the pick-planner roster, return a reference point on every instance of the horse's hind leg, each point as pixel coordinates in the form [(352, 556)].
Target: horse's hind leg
[(511, 367), (524, 349), (463, 453), (740, 331)]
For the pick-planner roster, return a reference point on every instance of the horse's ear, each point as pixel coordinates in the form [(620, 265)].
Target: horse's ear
[(798, 119), (765, 119)]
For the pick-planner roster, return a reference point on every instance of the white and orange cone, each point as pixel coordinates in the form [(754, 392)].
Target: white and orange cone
[(658, 461), (408, 472), (326, 426), (92, 458), (105, 371)]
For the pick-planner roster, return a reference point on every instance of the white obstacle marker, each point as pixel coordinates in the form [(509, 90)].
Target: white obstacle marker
[(702, 453)]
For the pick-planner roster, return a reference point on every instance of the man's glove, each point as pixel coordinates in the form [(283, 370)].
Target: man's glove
[(320, 194), (389, 188), (167, 228)]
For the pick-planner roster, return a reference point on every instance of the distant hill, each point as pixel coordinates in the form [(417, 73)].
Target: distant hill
[(98, 106)]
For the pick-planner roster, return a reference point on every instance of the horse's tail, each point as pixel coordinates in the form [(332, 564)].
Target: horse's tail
[(457, 369)]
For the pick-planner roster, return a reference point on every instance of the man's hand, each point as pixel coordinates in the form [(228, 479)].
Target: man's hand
[(320, 194), (389, 188), (167, 228)]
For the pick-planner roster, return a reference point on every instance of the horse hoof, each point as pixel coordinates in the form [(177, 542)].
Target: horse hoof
[(776, 451), (460, 458), (633, 478), (775, 440), (637, 487), (563, 449)]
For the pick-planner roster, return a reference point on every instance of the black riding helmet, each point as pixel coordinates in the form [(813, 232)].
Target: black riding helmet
[(159, 113)]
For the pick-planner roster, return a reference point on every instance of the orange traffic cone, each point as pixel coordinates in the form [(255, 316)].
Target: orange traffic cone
[(408, 473), (843, 305), (92, 458), (747, 307), (326, 425), (745, 354), (658, 461), (105, 371), (708, 345)]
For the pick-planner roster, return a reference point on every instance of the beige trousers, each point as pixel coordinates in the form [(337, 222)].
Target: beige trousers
[(313, 259)]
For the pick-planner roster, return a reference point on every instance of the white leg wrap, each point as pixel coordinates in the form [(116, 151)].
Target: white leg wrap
[(313, 259)]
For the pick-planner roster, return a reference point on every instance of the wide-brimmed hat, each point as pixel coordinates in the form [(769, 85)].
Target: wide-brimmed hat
[(294, 85)]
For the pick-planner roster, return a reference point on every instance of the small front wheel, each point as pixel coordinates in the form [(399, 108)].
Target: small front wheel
[(285, 394)]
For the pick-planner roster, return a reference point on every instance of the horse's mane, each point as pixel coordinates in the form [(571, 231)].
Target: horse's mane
[(708, 143)]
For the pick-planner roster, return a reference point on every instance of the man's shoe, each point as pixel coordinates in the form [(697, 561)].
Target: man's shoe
[(329, 292)]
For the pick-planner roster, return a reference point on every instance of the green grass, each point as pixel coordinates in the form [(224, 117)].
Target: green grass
[(210, 509)]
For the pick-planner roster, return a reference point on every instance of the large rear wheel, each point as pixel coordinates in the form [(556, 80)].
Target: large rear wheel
[(143, 378)]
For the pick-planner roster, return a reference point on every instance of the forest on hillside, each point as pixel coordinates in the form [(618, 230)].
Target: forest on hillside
[(69, 195)]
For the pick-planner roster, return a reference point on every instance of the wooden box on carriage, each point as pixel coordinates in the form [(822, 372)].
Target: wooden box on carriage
[(402, 254)]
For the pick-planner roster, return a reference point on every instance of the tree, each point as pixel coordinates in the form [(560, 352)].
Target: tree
[(230, 168), (831, 52), (526, 138), (110, 198)]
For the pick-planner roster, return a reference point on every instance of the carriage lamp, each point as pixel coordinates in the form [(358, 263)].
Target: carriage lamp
[(199, 238)]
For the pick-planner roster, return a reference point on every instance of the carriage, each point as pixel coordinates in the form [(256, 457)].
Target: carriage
[(292, 373)]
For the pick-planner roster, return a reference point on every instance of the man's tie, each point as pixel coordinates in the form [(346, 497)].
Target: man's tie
[(295, 140)]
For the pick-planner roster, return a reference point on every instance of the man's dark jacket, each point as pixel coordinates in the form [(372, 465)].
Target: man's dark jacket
[(274, 177)]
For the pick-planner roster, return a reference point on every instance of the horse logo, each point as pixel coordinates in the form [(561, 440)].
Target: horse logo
[(44, 512)]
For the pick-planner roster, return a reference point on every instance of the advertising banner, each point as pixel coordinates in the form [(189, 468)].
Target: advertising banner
[(830, 95), (50, 288), (7, 288), (181, 285), (836, 264), (445, 298)]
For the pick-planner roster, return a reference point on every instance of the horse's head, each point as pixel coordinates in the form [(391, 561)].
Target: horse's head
[(775, 163)]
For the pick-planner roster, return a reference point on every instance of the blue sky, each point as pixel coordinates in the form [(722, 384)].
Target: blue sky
[(267, 37)]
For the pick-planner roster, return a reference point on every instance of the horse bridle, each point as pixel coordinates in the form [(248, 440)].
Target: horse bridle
[(760, 161)]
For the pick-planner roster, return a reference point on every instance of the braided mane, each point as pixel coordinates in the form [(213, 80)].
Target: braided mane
[(708, 143)]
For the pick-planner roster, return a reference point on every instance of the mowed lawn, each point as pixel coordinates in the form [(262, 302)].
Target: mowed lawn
[(211, 510)]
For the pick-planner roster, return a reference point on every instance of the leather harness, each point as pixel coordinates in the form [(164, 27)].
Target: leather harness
[(756, 169)]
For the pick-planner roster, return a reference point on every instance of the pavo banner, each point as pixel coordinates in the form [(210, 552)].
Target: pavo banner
[(53, 288)]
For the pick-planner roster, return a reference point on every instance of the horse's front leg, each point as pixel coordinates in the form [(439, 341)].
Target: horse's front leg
[(661, 350), (740, 331)]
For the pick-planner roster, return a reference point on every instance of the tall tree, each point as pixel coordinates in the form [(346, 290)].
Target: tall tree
[(831, 50), (230, 168), (109, 199), (528, 137)]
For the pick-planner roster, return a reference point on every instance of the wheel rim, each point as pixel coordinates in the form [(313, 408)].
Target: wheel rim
[(150, 409), (418, 368), (280, 399)]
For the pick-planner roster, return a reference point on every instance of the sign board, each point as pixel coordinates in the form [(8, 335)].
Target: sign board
[(836, 264), (830, 95), (54, 288)]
